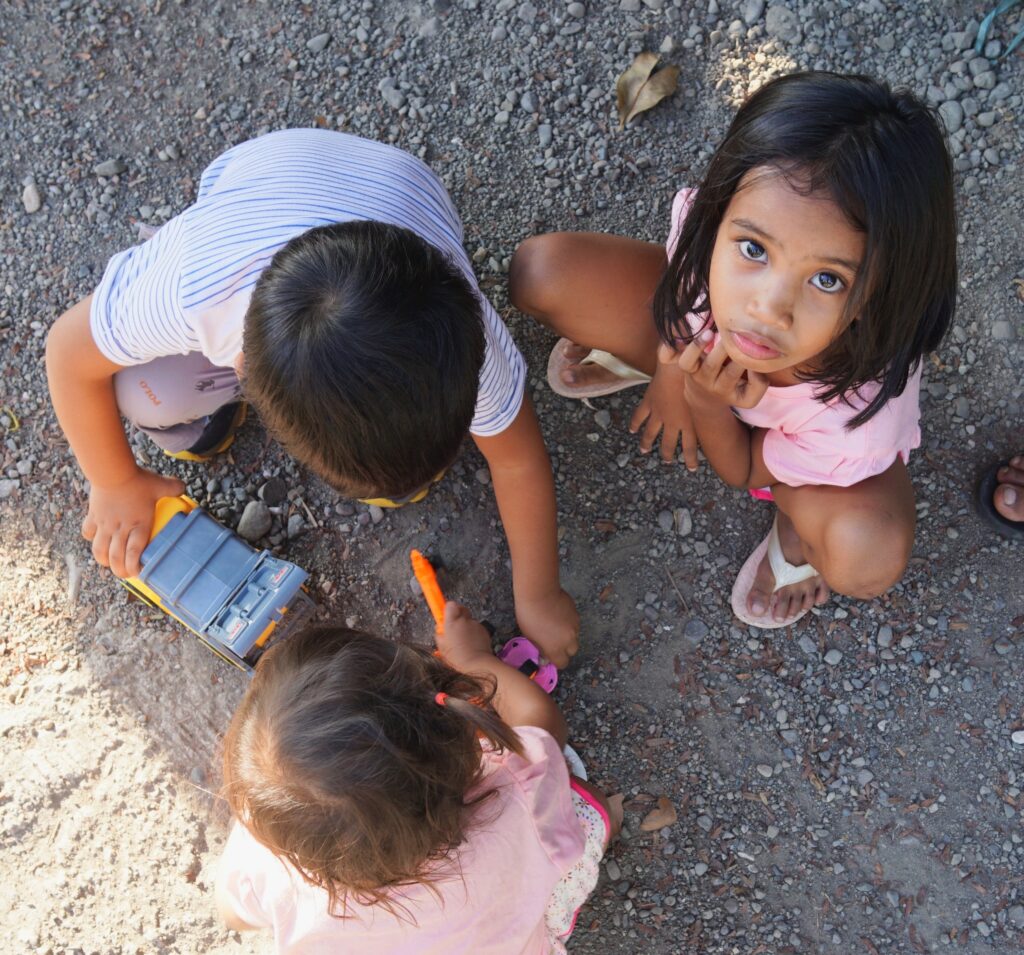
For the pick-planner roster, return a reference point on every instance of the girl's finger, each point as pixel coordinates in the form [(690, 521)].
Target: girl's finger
[(667, 354), (691, 358), (715, 358)]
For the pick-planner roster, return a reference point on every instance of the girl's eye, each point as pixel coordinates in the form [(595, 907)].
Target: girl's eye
[(827, 282), (752, 250)]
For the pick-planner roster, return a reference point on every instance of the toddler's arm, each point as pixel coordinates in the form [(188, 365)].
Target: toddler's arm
[(466, 645), (524, 489), (121, 495)]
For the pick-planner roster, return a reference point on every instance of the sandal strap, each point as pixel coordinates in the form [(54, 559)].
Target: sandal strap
[(617, 367), (785, 573)]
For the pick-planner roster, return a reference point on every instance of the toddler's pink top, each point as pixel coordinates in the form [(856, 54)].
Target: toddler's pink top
[(807, 440), (526, 839)]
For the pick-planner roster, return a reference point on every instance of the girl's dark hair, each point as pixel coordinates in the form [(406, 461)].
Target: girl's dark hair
[(363, 347), (879, 155), (341, 761)]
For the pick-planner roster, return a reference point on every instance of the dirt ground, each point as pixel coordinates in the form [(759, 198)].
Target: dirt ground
[(871, 806)]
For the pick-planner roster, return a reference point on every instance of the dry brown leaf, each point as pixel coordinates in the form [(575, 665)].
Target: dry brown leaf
[(615, 810), (664, 815), (639, 88)]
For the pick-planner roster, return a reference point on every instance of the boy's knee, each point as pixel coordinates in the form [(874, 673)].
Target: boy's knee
[(866, 553), (533, 272)]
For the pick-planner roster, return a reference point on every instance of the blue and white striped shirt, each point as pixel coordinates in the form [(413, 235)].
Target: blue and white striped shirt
[(187, 289)]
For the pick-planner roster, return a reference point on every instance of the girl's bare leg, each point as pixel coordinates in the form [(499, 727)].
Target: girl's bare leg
[(594, 289), (859, 538)]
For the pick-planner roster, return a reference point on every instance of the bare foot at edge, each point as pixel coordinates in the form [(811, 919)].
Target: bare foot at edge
[(787, 600), (1008, 498)]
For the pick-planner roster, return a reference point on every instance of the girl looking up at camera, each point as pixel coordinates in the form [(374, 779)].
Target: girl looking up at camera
[(388, 801), (805, 279)]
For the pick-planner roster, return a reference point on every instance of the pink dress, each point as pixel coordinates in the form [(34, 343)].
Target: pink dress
[(807, 441), (527, 841)]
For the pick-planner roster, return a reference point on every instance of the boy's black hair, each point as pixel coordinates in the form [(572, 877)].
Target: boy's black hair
[(363, 346), (880, 156)]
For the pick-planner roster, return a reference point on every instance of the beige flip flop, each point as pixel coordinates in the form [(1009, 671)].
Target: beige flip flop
[(627, 376), (785, 574)]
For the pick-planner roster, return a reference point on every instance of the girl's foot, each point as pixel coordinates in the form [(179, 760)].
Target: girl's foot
[(790, 600), (1008, 498), (576, 371)]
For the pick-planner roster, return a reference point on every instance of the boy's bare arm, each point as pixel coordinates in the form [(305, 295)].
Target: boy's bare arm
[(524, 489), (122, 494)]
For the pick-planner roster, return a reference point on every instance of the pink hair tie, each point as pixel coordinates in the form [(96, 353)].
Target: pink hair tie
[(441, 698)]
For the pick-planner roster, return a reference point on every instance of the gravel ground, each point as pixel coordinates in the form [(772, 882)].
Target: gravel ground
[(854, 785)]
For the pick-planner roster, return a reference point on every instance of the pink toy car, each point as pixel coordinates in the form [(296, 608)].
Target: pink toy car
[(525, 657)]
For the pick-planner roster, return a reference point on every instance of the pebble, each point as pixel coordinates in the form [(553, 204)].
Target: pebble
[(318, 43), (1018, 737), (483, 476), (752, 11), (683, 521), (576, 10), (695, 629), (666, 521), (273, 492), (7, 488), (884, 636), (544, 135), (765, 770), (782, 23), (376, 513), (31, 199), (296, 523), (255, 521), (700, 868), (110, 167), (613, 870), (833, 657), (952, 114), (809, 646)]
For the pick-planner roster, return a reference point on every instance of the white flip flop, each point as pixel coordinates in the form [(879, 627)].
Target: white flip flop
[(785, 574), (628, 377)]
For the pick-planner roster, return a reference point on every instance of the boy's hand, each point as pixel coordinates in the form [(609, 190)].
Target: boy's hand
[(120, 518), (712, 374), (553, 623), (464, 638), (664, 409)]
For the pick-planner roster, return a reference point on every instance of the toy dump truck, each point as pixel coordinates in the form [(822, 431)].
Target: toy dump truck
[(232, 597)]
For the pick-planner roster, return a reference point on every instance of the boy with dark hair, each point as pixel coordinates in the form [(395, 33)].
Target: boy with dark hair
[(368, 351)]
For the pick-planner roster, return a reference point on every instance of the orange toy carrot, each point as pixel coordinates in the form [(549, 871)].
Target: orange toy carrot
[(427, 580)]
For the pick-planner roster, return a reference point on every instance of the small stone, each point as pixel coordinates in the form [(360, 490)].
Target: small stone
[(864, 777), (665, 520), (376, 513), (31, 199), (544, 135), (695, 629), (528, 102), (295, 525), (808, 645), (700, 868), (986, 119), (110, 167), (576, 10), (255, 521), (833, 658), (1002, 647), (952, 114), (782, 23), (1016, 915), (613, 870), (705, 822), (985, 81), (667, 45), (752, 11), (483, 476), (886, 42), (318, 43), (603, 419), (683, 521), (1018, 738), (1002, 331), (527, 12), (884, 637), (7, 488), (273, 492), (765, 770)]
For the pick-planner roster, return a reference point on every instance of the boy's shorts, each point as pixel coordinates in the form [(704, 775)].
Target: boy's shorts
[(172, 397)]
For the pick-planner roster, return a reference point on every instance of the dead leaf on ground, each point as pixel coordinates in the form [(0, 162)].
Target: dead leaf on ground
[(664, 815), (639, 88)]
